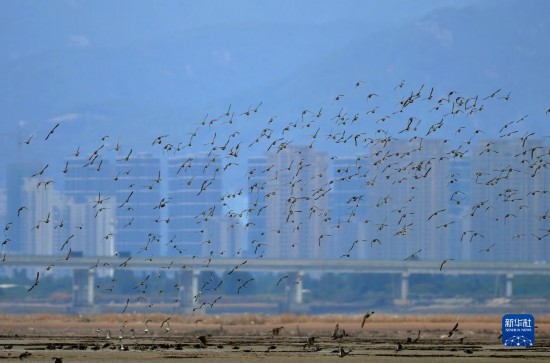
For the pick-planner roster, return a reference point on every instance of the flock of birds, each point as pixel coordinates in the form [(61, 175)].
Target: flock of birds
[(368, 132), (150, 340)]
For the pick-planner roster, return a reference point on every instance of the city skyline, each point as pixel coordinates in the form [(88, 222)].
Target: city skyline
[(422, 198)]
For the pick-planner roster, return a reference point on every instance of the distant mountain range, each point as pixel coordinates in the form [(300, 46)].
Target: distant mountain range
[(136, 73)]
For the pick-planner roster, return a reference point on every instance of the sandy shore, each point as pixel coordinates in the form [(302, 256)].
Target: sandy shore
[(249, 338)]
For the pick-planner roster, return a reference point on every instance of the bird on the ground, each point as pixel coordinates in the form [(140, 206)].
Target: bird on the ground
[(310, 342), (167, 323), (203, 341), (146, 330), (337, 333), (342, 353), (25, 354)]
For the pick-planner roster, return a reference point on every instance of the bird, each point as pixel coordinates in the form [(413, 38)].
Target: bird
[(41, 172), (126, 306), (444, 262), (342, 353), (203, 341), (365, 317), (413, 255), (337, 333), (453, 330), (25, 354), (166, 321), (52, 131), (487, 249), (436, 213), (146, 330), (158, 140), (28, 141), (35, 281), (21, 210), (310, 342), (281, 279)]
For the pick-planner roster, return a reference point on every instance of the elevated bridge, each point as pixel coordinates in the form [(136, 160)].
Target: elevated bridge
[(188, 269)]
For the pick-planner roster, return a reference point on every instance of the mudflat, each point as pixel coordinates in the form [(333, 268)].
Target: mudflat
[(250, 338)]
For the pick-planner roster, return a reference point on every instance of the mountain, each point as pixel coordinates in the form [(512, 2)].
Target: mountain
[(138, 71)]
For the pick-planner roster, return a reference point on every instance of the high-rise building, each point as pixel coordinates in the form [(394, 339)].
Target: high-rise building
[(256, 224), (348, 209), (510, 215), (408, 199), (84, 180), (93, 228), (296, 200), (46, 208), (141, 209), (195, 191), (460, 203), (54, 224), (16, 174)]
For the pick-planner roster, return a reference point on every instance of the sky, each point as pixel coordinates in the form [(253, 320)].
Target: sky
[(118, 69)]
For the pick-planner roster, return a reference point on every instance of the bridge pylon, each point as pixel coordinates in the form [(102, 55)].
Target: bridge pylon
[(189, 289), (83, 289)]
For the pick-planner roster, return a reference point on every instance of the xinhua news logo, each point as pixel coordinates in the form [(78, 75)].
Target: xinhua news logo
[(518, 330)]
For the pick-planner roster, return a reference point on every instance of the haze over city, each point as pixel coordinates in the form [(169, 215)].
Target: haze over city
[(274, 180), (314, 130)]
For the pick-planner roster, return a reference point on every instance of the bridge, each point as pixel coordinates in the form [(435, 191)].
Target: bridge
[(188, 269)]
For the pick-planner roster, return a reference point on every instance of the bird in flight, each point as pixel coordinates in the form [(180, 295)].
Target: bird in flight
[(453, 330), (28, 141), (52, 131), (35, 281), (444, 262), (41, 172), (413, 255), (365, 317), (487, 249)]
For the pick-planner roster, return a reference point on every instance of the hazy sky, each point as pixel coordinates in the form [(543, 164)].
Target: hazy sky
[(117, 68)]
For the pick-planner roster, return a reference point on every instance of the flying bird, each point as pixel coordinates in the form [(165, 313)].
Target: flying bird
[(444, 262), (52, 131), (365, 317), (453, 330), (412, 255), (35, 281), (41, 172)]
